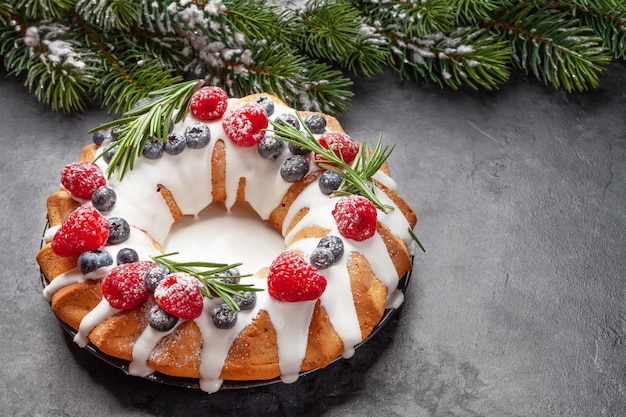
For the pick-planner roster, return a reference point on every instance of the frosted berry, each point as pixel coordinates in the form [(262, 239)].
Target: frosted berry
[(266, 103), (93, 260), (108, 155), (82, 179), (153, 149), (316, 123), (294, 168), (341, 144), (245, 300), (154, 275), (179, 294), (224, 317), (288, 118), (356, 217), (197, 136), (245, 124), (291, 278), (104, 198), (334, 243), (270, 148), (160, 319), (84, 229), (329, 181), (175, 144), (127, 256), (100, 136), (231, 276), (119, 230), (297, 149), (208, 103), (123, 286), (322, 258)]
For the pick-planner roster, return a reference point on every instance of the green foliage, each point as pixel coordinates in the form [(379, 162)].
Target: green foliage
[(76, 53)]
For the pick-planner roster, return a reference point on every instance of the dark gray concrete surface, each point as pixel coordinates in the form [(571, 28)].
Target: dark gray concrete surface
[(518, 307)]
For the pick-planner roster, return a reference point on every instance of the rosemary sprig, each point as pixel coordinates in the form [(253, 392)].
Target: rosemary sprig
[(414, 237), (210, 277), (148, 121), (357, 175)]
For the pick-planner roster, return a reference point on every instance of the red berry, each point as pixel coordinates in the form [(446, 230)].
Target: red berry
[(356, 217), (82, 179), (292, 279), (245, 124), (341, 144), (208, 103), (124, 288), (84, 229), (179, 294)]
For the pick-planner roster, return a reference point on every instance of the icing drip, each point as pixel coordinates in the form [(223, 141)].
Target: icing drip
[(96, 316), (144, 346)]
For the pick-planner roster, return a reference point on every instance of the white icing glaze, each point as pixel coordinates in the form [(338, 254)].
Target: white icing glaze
[(212, 235)]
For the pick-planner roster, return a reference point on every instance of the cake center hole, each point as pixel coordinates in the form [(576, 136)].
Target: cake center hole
[(216, 235)]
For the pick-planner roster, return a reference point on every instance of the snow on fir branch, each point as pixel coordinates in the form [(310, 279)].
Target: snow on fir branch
[(76, 53)]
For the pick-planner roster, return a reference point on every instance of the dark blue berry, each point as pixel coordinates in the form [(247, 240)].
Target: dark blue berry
[(245, 300), (316, 123), (175, 144), (142, 102), (160, 319), (153, 149), (108, 155), (115, 130), (223, 316), (334, 243), (288, 118), (322, 258), (155, 275), (270, 148), (127, 256), (231, 276), (119, 230), (197, 135), (297, 150), (329, 181), (92, 260), (104, 198), (294, 168), (100, 136), (266, 103)]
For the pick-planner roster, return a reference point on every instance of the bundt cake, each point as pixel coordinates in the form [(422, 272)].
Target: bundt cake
[(238, 247)]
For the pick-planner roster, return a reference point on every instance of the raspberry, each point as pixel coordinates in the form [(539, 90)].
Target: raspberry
[(208, 103), (245, 124), (84, 229), (179, 294), (341, 144), (123, 287), (82, 179), (356, 217), (292, 279)]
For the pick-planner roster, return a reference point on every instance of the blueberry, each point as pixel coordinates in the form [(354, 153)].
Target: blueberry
[(266, 103), (245, 300), (104, 198), (115, 130), (297, 150), (93, 260), (197, 135), (223, 316), (294, 168), (231, 276), (329, 181), (100, 136), (270, 148), (108, 155), (127, 256), (322, 258), (155, 275), (175, 144), (316, 123), (119, 230), (160, 319), (153, 149), (142, 102), (288, 118), (334, 243)]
